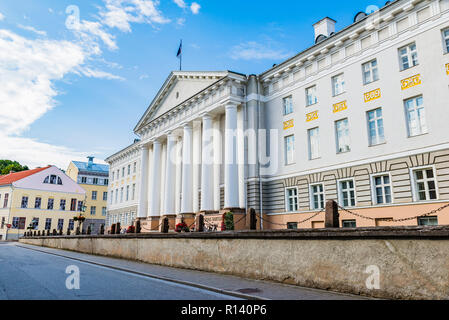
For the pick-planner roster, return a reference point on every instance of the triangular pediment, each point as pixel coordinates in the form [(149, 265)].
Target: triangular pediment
[(179, 87)]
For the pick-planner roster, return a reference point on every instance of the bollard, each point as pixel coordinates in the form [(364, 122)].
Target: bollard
[(253, 219), (60, 232), (138, 227), (55, 233), (118, 228), (165, 225), (113, 228), (332, 219), (78, 232), (199, 223), (68, 231), (38, 233), (102, 229), (89, 230), (48, 232)]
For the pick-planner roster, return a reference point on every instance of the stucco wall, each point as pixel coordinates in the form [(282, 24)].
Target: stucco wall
[(412, 261)]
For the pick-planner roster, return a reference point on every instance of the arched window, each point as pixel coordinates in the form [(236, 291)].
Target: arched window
[(53, 179)]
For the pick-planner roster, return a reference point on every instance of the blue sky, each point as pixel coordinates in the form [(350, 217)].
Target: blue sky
[(69, 89)]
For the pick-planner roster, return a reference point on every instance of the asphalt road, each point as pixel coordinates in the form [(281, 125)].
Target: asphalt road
[(31, 275)]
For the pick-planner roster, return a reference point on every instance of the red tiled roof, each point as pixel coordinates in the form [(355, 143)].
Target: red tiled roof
[(16, 176)]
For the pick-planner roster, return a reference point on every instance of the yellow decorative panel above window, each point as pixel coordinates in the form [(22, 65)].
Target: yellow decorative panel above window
[(411, 82)]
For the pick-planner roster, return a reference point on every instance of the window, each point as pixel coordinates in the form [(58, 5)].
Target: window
[(105, 196), (18, 223), (382, 189), (134, 192), (84, 180), (50, 204), (95, 181), (338, 84), (349, 224), (135, 167), (314, 143), (375, 127), (121, 194), (60, 224), (35, 223), (289, 150), (416, 116), (105, 182), (80, 206), (104, 211), (48, 224), (93, 211), (311, 97), (292, 226), (73, 205), (112, 196), (62, 205), (5, 200), (342, 131), (446, 40), (24, 204), (129, 169), (127, 193), (116, 195), (425, 185), (123, 172), (288, 105), (94, 195), (37, 203), (71, 224), (408, 56), (370, 72), (317, 196), (292, 199), (428, 221), (53, 179), (347, 193)]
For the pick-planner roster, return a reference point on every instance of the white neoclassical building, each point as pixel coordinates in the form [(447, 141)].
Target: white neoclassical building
[(360, 117)]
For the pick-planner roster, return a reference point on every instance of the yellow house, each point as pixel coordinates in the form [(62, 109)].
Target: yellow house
[(43, 198), (94, 179)]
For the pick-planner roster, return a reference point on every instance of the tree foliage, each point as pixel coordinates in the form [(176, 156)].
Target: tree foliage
[(6, 166)]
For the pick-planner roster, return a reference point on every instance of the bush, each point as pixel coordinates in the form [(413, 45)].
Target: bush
[(228, 222)]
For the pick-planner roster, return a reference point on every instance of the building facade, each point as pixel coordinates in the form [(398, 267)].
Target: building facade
[(44, 198), (358, 118), (124, 186), (94, 179)]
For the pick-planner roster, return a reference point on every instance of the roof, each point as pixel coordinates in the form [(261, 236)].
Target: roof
[(84, 166), (16, 176)]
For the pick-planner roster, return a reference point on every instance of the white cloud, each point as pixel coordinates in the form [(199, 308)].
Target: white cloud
[(90, 31), (195, 7), (181, 21), (28, 28), (121, 13), (255, 51), (2, 17), (144, 76), (180, 3), (99, 74)]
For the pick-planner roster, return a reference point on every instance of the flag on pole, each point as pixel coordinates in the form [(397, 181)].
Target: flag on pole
[(179, 55)]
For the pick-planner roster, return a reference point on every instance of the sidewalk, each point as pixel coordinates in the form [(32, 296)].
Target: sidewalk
[(217, 282)]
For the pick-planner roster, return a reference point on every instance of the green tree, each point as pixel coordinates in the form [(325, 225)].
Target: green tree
[(6, 166)]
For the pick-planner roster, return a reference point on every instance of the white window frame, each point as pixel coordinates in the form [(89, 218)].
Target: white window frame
[(373, 187), (445, 39), (287, 109), (317, 154), (289, 160), (338, 88), (337, 140), (375, 120), (314, 96), (409, 56), (340, 192), (423, 127), (287, 197), (371, 69), (414, 187), (312, 200)]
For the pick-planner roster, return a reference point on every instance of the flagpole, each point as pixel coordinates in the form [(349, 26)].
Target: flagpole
[(180, 59)]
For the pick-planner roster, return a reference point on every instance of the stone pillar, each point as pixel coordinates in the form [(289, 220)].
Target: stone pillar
[(218, 160), (196, 169), (207, 200), (143, 193), (231, 166), (155, 180), (187, 201), (170, 180), (332, 219), (241, 156), (178, 178)]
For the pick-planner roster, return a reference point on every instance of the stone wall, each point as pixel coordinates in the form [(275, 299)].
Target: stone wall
[(413, 261)]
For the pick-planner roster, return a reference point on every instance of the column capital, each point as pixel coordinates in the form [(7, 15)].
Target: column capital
[(206, 116), (231, 105), (156, 142), (187, 125)]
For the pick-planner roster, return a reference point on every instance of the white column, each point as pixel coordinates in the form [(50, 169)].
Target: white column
[(178, 178), (161, 185), (207, 200), (187, 202), (217, 164), (170, 176), (150, 180), (241, 156), (143, 193), (196, 170), (231, 166), (155, 181)]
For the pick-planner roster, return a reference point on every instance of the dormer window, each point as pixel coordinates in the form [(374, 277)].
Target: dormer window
[(53, 179)]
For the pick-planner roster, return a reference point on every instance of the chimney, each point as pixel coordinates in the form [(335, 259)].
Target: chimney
[(325, 28), (91, 162)]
